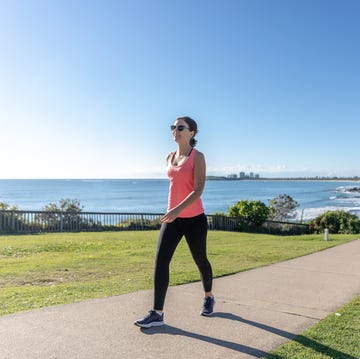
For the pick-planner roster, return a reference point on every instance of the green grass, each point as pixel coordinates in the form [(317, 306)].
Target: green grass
[(337, 336), (47, 269)]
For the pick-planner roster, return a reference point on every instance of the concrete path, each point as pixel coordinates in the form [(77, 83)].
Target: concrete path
[(256, 311)]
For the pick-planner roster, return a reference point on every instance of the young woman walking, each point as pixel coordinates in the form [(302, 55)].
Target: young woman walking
[(185, 216)]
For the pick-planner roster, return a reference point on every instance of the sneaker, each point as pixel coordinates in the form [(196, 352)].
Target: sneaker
[(153, 319), (208, 306)]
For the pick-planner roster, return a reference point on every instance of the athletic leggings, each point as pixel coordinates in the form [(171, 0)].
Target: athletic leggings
[(195, 231)]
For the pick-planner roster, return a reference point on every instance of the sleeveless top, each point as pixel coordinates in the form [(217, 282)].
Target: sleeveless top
[(182, 184)]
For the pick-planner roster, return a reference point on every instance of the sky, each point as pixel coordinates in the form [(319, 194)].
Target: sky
[(89, 89)]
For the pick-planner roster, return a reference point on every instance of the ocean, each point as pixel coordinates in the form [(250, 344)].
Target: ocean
[(150, 195)]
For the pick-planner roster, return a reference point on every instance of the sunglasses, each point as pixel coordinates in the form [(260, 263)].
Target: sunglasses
[(179, 128)]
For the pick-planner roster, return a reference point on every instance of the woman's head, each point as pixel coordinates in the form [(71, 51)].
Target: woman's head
[(192, 128)]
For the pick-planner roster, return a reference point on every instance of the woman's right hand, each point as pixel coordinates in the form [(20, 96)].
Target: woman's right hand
[(169, 216)]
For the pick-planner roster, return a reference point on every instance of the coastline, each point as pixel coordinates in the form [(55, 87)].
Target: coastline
[(322, 179)]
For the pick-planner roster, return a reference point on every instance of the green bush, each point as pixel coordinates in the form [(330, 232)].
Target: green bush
[(255, 212), (138, 224), (340, 221), (10, 221)]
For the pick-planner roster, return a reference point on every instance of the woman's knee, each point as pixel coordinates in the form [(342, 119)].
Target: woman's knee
[(202, 262)]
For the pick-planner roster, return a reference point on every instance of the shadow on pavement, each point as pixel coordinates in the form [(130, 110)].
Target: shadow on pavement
[(167, 329), (307, 342)]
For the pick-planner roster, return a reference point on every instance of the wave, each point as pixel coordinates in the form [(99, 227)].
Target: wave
[(308, 214), (92, 180), (354, 201), (348, 197), (348, 189)]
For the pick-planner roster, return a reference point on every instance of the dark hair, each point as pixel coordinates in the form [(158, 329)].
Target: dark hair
[(192, 126)]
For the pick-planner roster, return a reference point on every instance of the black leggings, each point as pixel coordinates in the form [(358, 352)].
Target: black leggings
[(195, 231)]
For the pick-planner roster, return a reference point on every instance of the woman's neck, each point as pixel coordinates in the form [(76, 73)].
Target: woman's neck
[(184, 150)]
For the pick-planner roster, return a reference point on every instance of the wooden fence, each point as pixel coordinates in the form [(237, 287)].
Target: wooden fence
[(45, 221)]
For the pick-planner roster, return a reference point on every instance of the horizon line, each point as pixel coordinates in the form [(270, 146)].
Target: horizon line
[(161, 178)]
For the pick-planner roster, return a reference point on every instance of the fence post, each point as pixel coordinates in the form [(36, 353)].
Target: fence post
[(61, 223), (13, 221), (326, 234)]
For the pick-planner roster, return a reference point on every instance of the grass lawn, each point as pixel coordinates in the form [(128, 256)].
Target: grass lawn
[(336, 336), (47, 269)]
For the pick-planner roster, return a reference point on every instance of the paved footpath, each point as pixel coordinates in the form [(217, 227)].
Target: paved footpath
[(256, 311)]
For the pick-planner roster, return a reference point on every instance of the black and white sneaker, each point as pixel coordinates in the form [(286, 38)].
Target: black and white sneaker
[(153, 319), (208, 306)]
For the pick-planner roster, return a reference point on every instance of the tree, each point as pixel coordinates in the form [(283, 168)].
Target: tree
[(281, 207), (65, 215), (6, 207), (253, 211), (66, 205)]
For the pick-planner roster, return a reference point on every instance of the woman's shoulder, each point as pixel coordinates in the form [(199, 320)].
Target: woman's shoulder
[(198, 156), (169, 156)]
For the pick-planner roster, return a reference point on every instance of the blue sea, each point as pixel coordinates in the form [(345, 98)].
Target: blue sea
[(150, 195)]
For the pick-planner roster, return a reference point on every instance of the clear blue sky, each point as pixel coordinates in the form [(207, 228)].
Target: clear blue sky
[(88, 89)]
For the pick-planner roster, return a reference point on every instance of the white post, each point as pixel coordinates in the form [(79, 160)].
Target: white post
[(326, 234)]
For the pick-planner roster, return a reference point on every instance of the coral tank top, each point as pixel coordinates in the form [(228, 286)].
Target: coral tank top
[(182, 184)]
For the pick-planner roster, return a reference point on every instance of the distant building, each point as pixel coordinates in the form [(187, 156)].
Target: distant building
[(251, 175), (233, 176)]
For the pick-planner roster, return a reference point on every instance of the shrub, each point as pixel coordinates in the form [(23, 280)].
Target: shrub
[(10, 221), (254, 211), (337, 222), (140, 224)]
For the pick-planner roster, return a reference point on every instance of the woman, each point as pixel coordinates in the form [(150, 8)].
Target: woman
[(185, 216)]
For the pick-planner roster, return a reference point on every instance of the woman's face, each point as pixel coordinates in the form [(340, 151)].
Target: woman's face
[(181, 132)]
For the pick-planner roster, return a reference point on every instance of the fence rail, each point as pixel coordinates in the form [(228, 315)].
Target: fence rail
[(45, 221)]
